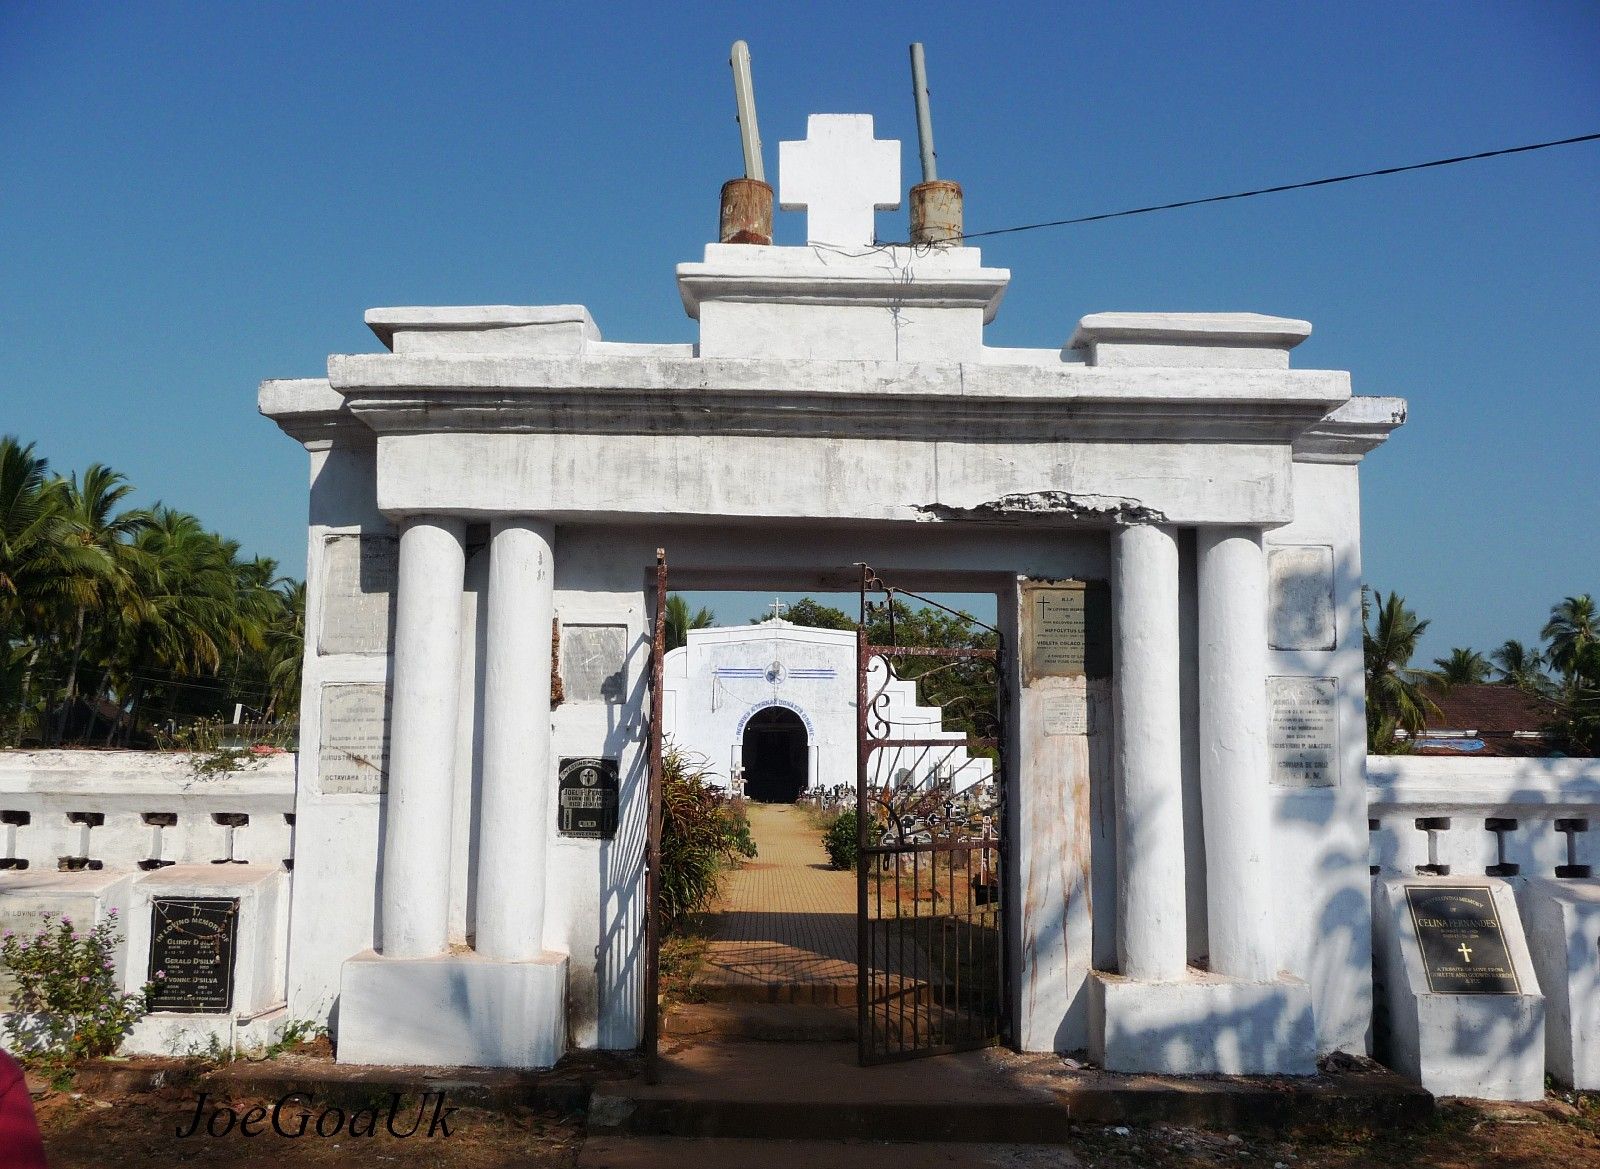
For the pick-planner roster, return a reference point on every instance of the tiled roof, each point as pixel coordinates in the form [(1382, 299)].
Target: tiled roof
[(1489, 710)]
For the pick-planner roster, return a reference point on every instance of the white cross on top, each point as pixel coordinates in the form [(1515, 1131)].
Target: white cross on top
[(839, 176)]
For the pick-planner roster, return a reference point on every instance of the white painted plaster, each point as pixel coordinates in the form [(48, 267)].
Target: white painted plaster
[(1233, 753), (1563, 920), (455, 1010), (839, 175), (517, 765), (1150, 903), (416, 870)]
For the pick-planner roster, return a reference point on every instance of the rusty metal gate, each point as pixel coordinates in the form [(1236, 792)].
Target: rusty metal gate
[(930, 947), (650, 1007)]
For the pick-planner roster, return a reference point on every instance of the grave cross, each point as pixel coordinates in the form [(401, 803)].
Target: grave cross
[(1466, 953), (778, 608), (839, 176)]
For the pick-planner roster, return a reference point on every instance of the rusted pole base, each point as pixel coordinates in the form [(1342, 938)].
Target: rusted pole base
[(936, 212), (746, 212)]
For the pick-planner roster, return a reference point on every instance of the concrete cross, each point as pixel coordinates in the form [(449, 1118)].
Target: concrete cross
[(778, 608), (839, 176)]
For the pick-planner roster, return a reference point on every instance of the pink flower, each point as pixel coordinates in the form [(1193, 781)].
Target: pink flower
[(111, 913)]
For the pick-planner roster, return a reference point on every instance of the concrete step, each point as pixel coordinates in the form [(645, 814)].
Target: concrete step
[(763, 1022), (616, 1152), (786, 1091)]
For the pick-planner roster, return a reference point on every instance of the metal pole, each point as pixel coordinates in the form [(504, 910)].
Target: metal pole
[(919, 91), (744, 97)]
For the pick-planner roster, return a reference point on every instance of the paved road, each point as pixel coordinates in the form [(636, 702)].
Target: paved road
[(787, 919)]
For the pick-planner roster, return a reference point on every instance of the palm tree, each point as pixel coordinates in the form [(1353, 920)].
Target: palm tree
[(1520, 666), (680, 620), (102, 579), (1573, 625), (1464, 667), (1395, 701)]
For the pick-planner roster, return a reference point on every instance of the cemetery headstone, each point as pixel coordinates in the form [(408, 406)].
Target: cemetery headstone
[(192, 943)]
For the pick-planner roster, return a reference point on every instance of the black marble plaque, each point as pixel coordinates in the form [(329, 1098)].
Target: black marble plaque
[(192, 941), (1463, 946), (587, 800)]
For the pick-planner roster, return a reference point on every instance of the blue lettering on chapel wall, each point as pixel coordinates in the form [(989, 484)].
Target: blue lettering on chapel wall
[(811, 730)]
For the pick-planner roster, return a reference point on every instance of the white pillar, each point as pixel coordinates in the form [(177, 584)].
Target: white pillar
[(427, 681), (515, 807), (1150, 902), (1233, 752)]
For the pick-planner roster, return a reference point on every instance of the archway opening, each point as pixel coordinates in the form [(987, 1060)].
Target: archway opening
[(774, 756)]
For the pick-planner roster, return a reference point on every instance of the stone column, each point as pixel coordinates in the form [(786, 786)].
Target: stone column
[(515, 805), (427, 669), (1150, 887), (1233, 752)]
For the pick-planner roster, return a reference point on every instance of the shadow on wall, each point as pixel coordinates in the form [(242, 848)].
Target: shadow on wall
[(619, 955)]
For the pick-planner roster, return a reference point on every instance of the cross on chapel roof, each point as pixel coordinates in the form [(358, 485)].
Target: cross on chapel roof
[(839, 175)]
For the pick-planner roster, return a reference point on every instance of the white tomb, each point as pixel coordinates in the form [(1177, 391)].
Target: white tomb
[(1454, 1029), (1191, 855), (1563, 919)]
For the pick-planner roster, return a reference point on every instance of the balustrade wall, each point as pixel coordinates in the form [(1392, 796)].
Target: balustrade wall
[(66, 811)]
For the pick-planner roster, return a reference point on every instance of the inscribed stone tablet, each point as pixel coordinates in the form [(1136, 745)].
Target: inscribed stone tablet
[(1066, 714), (192, 944), (354, 757), (1301, 584), (1303, 731), (1463, 947), (24, 923), (1066, 630), (594, 660), (358, 575)]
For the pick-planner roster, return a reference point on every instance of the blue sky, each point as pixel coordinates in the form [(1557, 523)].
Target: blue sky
[(197, 196)]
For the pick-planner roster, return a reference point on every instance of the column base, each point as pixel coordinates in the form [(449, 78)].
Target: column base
[(1203, 1024), (454, 1010)]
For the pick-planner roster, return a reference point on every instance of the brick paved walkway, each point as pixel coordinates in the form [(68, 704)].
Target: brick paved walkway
[(787, 927)]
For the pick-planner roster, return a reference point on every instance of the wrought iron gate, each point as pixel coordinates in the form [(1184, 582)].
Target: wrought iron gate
[(930, 947), (650, 1007)]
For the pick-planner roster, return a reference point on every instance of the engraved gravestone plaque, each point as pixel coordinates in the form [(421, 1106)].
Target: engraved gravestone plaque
[(358, 575), (1066, 630), (353, 758), (1303, 729), (594, 662), (588, 798), (1463, 946), (192, 942)]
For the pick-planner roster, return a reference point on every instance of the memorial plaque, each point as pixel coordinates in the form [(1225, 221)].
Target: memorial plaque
[(1066, 714), (192, 941), (587, 799), (354, 755), (1303, 731), (1066, 630), (594, 662), (1463, 946), (358, 579), (1300, 584)]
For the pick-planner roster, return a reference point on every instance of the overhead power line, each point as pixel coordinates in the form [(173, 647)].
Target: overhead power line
[(1366, 174)]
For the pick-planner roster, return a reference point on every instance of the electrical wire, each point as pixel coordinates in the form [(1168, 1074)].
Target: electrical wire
[(1388, 170)]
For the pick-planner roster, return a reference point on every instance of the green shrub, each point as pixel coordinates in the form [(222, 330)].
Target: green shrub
[(703, 835), (840, 841), (67, 1005)]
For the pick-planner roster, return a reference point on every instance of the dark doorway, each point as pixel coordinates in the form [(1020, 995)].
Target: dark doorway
[(774, 756)]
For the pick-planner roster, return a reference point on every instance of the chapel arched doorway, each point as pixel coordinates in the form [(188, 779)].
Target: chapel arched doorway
[(774, 756)]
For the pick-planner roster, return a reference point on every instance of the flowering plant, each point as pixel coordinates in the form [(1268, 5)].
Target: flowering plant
[(67, 1004)]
